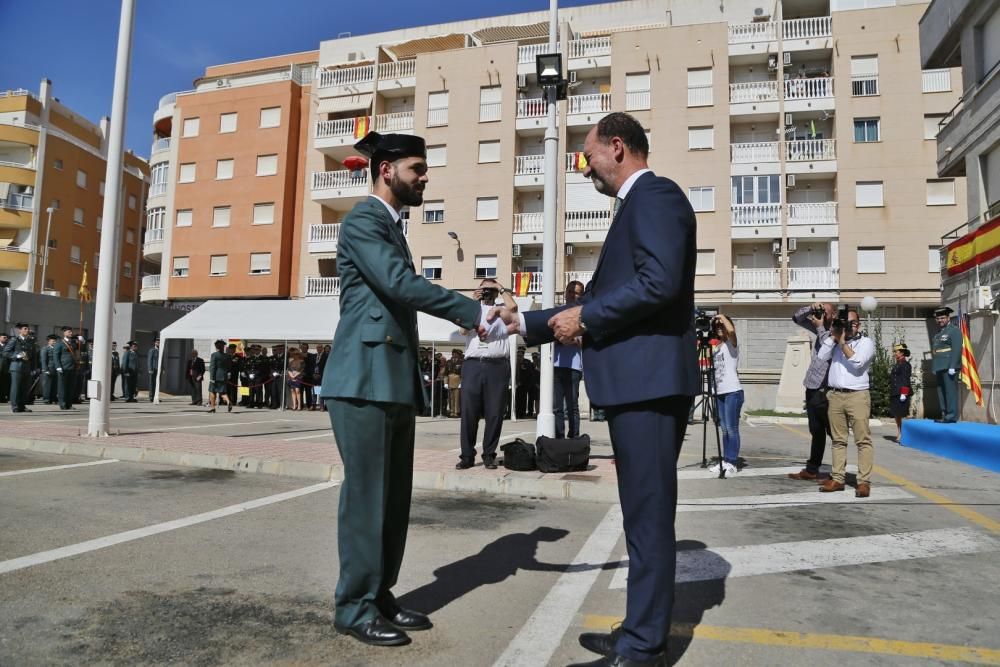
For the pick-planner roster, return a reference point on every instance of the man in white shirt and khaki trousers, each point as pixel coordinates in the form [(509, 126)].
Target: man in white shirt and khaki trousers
[(850, 356)]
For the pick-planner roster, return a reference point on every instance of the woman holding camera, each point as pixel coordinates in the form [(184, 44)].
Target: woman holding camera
[(729, 391)]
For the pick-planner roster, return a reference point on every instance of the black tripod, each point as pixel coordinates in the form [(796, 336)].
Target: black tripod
[(709, 400)]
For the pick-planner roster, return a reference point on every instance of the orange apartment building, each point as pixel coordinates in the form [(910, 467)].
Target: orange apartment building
[(53, 159)]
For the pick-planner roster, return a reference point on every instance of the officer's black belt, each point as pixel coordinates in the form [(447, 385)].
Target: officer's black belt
[(847, 391), (487, 360)]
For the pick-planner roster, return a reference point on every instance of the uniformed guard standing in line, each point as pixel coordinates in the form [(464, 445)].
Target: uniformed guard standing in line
[(947, 362), (260, 371), (116, 369), (21, 353), (218, 376), (373, 389), (272, 390), (66, 359), (4, 370), (233, 376), (47, 365), (83, 372)]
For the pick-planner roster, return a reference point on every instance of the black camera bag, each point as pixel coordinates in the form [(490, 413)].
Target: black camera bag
[(563, 454), (519, 455)]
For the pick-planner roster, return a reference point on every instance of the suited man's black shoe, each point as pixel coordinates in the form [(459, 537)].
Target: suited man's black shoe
[(615, 660), (464, 465), (406, 619), (601, 643), (490, 464), (376, 632)]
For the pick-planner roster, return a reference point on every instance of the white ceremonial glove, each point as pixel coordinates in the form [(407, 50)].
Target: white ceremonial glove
[(251, 376), (902, 398), (951, 371), (59, 370)]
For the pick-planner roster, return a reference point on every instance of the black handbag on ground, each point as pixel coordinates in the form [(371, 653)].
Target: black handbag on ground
[(563, 454), (519, 455)]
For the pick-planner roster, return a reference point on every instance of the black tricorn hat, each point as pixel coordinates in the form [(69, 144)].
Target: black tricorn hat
[(380, 147), (52, 337), (21, 325), (943, 310), (901, 347), (66, 328)]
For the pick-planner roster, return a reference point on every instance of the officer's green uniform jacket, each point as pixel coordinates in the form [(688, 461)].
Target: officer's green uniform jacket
[(947, 349), (374, 355)]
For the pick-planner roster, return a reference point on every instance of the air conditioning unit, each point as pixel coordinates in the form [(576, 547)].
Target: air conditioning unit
[(791, 245), (776, 247), (569, 249), (221, 83), (789, 180), (772, 62), (522, 80), (759, 15), (788, 120), (515, 250), (787, 58), (572, 77)]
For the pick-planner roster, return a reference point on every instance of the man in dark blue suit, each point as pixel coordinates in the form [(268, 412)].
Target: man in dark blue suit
[(636, 321)]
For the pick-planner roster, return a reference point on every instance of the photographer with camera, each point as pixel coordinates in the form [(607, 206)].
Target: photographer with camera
[(816, 319), (850, 354), (729, 392)]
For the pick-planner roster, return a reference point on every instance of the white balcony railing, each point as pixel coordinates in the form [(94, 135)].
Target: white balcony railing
[(753, 215), (153, 235), (531, 108), (534, 284), (157, 189), (814, 277), (30, 164), (346, 76), (808, 28), (700, 96), (746, 33), (169, 98), (574, 161), (489, 111), (162, 144), (329, 233), (344, 178), (754, 152), (437, 116), (588, 221), (580, 276), (594, 103), (529, 165), (589, 48), (322, 286), (808, 150), (756, 279), (815, 213), (636, 100), (401, 69), (864, 86), (19, 202), (528, 52), (529, 223), (394, 122), (335, 128), (809, 89), (937, 80), (151, 281), (753, 91)]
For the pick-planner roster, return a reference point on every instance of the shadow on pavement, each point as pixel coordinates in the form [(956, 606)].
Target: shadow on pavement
[(693, 598)]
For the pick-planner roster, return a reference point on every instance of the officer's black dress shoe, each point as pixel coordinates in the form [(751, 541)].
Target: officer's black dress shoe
[(490, 464), (615, 660), (376, 632), (406, 619), (602, 643), (464, 465)]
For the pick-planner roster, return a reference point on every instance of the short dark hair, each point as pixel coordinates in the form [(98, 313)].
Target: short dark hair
[(626, 128), (571, 285)]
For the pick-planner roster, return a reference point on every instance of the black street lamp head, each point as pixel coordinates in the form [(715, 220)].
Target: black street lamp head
[(548, 67)]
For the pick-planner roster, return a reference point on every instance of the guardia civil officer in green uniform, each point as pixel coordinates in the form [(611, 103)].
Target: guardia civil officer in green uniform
[(947, 362), (373, 390)]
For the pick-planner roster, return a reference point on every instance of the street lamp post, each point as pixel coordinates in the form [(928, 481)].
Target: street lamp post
[(45, 251)]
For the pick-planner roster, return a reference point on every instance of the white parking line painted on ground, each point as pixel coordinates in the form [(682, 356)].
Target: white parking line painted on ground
[(757, 559), (309, 437), (114, 418), (544, 630), (139, 533), (181, 428), (702, 473), (50, 468), (737, 503)]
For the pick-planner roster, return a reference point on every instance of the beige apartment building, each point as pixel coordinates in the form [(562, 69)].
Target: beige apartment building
[(52, 167), (803, 132)]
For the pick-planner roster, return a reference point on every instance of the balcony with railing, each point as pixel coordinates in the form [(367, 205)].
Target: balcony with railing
[(587, 109), (490, 111), (18, 202), (750, 216), (531, 114), (753, 152), (400, 122), (580, 276), (529, 223), (812, 213), (798, 33), (397, 75), (529, 171), (358, 75), (756, 280), (159, 146), (336, 138), (150, 288), (748, 33), (864, 86), (810, 150), (589, 226), (323, 238), (936, 81), (339, 190), (151, 281), (534, 284), (593, 52), (164, 113), (700, 96), (813, 278), (16, 211), (808, 89), (753, 92), (637, 100), (322, 286), (526, 54)]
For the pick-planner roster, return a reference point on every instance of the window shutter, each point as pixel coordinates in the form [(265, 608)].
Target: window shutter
[(270, 117), (871, 260), (260, 262), (489, 151), (218, 265), (864, 65), (868, 193), (227, 122), (437, 156), (701, 137), (263, 214), (940, 192)]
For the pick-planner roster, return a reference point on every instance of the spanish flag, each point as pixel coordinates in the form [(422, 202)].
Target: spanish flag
[(360, 127), (579, 161), (521, 283), (974, 248), (84, 291), (969, 374)]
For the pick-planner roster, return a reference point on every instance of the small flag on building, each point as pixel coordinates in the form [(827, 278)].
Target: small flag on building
[(579, 161), (84, 291), (360, 127), (970, 373), (521, 283)]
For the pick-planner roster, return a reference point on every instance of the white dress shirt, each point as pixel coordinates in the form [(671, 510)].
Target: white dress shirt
[(848, 373), (392, 211), (495, 346)]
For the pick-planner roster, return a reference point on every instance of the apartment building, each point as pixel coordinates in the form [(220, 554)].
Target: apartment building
[(52, 167), (803, 132)]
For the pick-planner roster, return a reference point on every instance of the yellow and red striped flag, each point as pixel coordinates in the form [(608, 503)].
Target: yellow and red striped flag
[(579, 161), (969, 374), (521, 283), (360, 127)]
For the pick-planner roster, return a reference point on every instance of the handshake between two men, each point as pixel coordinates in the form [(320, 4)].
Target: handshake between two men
[(566, 325)]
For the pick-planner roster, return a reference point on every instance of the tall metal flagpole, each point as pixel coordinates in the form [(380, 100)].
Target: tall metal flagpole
[(546, 424), (100, 402)]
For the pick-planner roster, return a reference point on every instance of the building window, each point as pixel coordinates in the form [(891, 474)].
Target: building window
[(78, 216), (56, 204), (637, 94), (987, 39), (129, 237), (220, 216), (871, 260), (867, 130), (430, 268), (932, 124), (132, 202), (74, 254), (937, 81), (700, 87), (487, 208), (705, 263), (757, 190), (186, 173), (260, 263), (158, 177), (81, 178), (437, 156), (263, 214), (53, 244), (486, 266), (218, 265), (185, 217), (227, 123), (934, 259), (437, 109), (58, 164), (702, 198), (127, 270), (267, 165), (180, 267), (223, 169), (489, 103), (864, 76), (489, 151), (434, 211), (101, 189), (701, 138), (940, 192), (191, 126), (270, 117), (100, 223), (868, 194)]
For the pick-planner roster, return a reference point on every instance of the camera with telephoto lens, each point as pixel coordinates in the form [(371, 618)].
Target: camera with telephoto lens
[(489, 294), (702, 326), (840, 321), (818, 313)]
